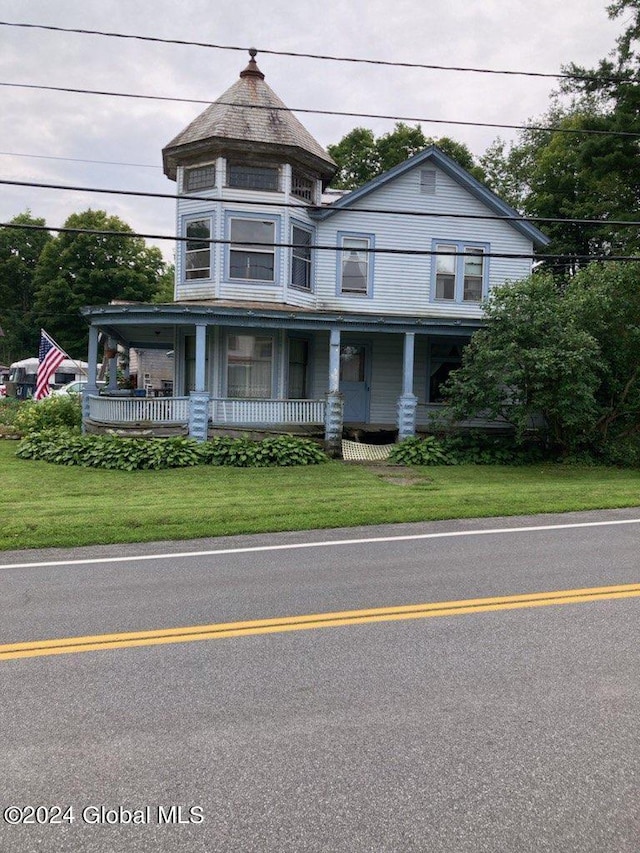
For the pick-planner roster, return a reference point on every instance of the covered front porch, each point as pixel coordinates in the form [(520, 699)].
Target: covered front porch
[(273, 368)]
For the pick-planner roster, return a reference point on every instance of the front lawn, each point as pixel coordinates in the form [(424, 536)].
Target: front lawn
[(45, 505)]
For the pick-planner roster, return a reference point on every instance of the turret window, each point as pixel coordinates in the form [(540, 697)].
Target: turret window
[(246, 177), (252, 250), (303, 187), (197, 254), (199, 178)]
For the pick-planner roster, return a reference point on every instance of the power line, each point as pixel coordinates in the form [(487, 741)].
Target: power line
[(345, 114), (77, 160), (320, 56), (515, 217), (321, 247)]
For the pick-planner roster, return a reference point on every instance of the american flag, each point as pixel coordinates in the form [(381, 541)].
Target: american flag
[(49, 358)]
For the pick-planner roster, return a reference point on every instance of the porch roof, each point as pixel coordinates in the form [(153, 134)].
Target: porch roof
[(151, 326)]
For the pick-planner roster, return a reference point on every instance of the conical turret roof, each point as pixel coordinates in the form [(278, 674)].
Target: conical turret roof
[(249, 117)]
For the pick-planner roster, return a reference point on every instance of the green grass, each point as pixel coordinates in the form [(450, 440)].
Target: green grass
[(46, 505)]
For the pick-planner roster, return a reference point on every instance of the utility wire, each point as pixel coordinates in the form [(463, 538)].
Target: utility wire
[(320, 247), (417, 119), (77, 160), (321, 56), (515, 217)]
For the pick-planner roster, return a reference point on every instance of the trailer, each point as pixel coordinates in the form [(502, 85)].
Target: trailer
[(22, 376)]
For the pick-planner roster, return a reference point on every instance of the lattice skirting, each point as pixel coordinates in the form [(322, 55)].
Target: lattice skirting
[(353, 451)]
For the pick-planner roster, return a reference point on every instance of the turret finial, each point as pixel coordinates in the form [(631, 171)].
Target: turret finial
[(252, 69)]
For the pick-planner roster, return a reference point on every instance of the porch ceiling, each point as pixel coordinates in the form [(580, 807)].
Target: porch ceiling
[(153, 326)]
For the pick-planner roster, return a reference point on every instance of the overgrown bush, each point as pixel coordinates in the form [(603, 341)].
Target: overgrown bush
[(9, 408), (481, 448), (68, 447), (419, 451), (52, 413), (622, 452), (282, 451)]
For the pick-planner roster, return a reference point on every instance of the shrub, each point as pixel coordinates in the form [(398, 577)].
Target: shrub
[(68, 447), (481, 448), (283, 451), (419, 451), (48, 414), (623, 452)]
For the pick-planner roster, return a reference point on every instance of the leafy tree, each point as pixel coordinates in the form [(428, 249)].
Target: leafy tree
[(19, 253), (532, 365), (166, 286), (361, 157), (563, 360), (569, 174), (77, 269)]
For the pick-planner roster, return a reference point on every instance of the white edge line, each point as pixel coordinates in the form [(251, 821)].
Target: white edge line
[(324, 544)]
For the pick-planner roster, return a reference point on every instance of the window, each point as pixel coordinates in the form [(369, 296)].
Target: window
[(301, 239), (252, 251), (249, 366), (253, 177), (460, 272), (298, 368), (355, 265), (444, 357), (197, 254), (199, 178), (302, 186)]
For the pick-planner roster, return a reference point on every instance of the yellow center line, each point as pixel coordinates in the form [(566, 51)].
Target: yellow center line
[(101, 642)]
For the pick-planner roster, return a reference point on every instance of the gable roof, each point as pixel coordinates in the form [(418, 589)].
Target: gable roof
[(436, 157), (248, 115)]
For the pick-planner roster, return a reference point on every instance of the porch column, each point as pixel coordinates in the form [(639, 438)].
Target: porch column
[(112, 347), (407, 402), (334, 404), (92, 386), (199, 399)]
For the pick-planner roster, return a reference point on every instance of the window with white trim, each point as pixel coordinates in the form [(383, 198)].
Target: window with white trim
[(245, 177), (302, 187), (354, 273), (252, 249), (301, 239), (459, 272), (199, 178), (197, 251)]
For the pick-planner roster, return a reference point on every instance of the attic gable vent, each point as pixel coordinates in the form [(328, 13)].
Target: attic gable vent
[(428, 181)]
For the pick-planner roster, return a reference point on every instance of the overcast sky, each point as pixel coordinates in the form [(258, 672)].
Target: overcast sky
[(523, 35)]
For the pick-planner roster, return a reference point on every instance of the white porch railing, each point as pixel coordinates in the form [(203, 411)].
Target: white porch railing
[(225, 411), (137, 409)]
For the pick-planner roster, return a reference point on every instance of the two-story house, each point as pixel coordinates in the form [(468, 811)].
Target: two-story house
[(294, 312)]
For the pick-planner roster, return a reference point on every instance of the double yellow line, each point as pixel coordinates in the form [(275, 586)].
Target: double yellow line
[(223, 630)]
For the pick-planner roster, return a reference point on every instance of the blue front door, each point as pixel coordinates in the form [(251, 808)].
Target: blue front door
[(353, 382)]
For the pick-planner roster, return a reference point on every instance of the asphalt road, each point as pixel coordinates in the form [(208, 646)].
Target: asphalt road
[(511, 730)]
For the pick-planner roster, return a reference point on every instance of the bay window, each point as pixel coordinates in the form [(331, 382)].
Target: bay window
[(252, 249), (301, 239), (197, 251)]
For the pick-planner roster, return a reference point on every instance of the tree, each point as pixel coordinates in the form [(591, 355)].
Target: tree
[(19, 253), (361, 157), (77, 269), (531, 365), (562, 360), (588, 166)]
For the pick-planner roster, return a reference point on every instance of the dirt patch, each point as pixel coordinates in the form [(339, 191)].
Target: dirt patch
[(397, 475)]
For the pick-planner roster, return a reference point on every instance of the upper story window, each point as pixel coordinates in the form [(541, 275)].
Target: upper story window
[(460, 272), (199, 178), (301, 238), (355, 264), (246, 177), (197, 252), (252, 250), (303, 187)]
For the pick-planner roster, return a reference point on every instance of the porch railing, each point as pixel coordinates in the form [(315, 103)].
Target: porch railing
[(162, 410), (139, 409), (225, 411)]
